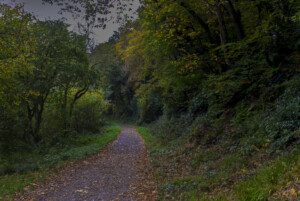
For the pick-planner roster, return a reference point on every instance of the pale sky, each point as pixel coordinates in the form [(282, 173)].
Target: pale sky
[(47, 11)]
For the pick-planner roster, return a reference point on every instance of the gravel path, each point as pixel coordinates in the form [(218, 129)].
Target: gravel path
[(120, 172)]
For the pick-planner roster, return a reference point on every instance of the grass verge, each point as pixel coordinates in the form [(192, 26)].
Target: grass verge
[(26, 168), (268, 179), (150, 140)]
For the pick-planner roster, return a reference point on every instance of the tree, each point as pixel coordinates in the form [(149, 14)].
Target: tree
[(113, 78), (178, 47), (61, 64), (94, 14), (17, 53)]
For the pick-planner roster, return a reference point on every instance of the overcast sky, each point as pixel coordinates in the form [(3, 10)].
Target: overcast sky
[(47, 11)]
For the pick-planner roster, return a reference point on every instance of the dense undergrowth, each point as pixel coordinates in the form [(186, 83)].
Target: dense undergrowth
[(201, 173), (249, 153), (28, 166)]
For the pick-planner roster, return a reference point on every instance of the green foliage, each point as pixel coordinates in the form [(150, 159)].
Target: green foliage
[(61, 64), (88, 113), (150, 140), (269, 123), (174, 53), (282, 124), (17, 46), (171, 128), (46, 101), (114, 79), (216, 77), (150, 107), (220, 77), (44, 72)]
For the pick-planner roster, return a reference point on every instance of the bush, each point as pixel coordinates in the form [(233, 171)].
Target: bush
[(282, 124), (53, 121), (12, 125), (198, 105), (150, 107), (89, 112), (273, 125), (171, 128)]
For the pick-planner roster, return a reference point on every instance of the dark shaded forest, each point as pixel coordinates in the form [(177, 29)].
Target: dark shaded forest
[(213, 85)]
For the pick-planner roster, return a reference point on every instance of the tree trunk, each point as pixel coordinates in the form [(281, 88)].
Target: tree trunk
[(38, 122), (34, 115), (64, 108), (222, 25), (28, 134), (237, 20), (200, 20), (77, 96), (35, 118)]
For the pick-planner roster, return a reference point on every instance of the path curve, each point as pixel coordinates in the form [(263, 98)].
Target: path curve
[(120, 172)]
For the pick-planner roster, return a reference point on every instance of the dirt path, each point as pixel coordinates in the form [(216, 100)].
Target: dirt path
[(121, 172)]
